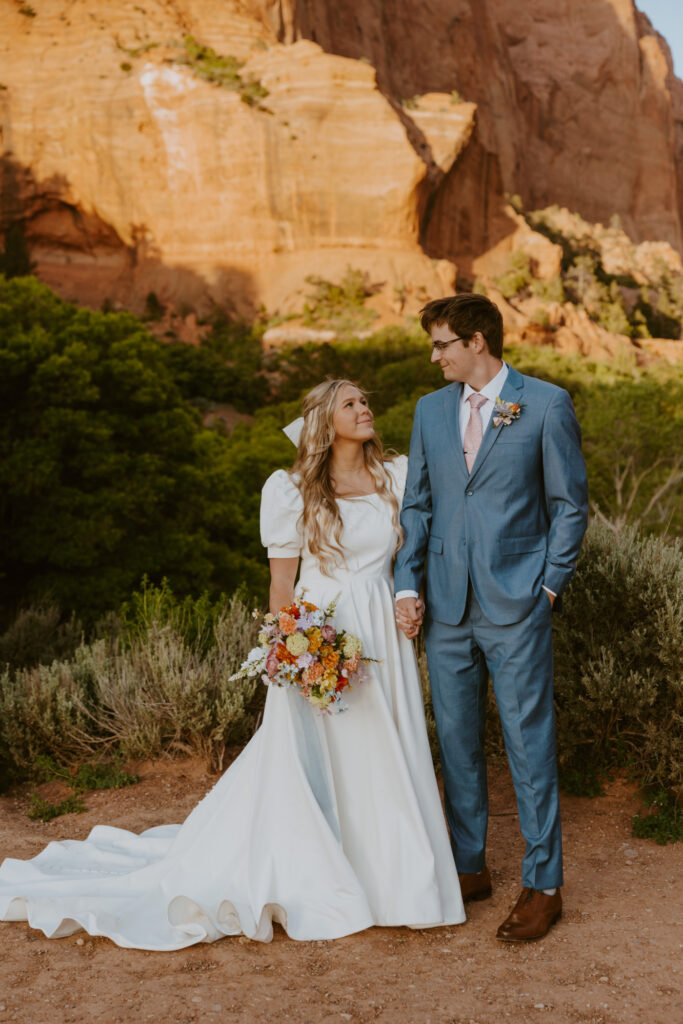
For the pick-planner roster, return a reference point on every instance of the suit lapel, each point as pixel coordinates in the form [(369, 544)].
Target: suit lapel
[(511, 392), (453, 396)]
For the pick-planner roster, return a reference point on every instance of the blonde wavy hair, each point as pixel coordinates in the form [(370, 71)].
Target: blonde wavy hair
[(321, 521)]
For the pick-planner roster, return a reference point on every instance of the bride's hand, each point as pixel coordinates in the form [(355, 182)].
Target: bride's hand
[(409, 615)]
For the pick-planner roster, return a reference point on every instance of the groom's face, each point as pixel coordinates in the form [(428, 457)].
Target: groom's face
[(456, 360)]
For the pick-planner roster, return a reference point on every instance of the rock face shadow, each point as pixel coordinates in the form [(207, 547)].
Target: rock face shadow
[(85, 259)]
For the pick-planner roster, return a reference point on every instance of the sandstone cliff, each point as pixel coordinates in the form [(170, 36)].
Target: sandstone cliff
[(390, 131)]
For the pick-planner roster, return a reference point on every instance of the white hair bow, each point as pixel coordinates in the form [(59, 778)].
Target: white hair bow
[(293, 430)]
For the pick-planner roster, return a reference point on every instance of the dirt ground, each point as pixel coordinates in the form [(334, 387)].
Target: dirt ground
[(614, 957)]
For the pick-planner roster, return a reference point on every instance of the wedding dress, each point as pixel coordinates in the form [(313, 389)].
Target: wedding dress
[(328, 824)]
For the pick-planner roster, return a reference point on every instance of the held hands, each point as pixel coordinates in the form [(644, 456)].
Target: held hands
[(409, 615)]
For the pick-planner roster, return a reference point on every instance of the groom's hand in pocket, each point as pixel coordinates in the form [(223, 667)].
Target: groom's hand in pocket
[(409, 614)]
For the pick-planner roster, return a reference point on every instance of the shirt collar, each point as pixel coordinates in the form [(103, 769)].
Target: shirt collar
[(491, 390)]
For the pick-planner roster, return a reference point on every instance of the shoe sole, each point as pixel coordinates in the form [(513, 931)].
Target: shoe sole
[(530, 938)]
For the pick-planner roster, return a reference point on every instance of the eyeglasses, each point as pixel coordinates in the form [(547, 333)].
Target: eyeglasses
[(440, 346)]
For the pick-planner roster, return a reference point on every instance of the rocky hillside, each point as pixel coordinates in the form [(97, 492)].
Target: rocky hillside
[(222, 153)]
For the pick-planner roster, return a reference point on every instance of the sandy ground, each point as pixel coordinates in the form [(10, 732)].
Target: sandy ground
[(614, 957)]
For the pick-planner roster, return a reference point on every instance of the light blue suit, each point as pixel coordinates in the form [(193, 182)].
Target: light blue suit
[(491, 540)]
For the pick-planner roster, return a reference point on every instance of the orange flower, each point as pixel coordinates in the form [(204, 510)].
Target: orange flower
[(284, 655), (313, 674), (330, 660), (314, 639), (287, 623)]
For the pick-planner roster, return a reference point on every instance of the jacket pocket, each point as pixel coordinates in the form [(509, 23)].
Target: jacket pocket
[(436, 545), (520, 545)]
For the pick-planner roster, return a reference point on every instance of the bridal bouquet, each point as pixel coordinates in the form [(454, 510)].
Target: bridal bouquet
[(300, 647)]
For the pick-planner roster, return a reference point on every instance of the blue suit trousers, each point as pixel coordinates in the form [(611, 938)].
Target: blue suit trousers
[(519, 659)]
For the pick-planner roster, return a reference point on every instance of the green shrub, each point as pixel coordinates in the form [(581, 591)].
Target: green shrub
[(220, 70), (664, 824), (45, 810), (518, 275), (105, 470), (339, 306), (551, 290), (618, 659)]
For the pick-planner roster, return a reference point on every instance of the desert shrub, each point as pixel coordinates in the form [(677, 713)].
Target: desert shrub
[(618, 661), (630, 441), (220, 70), (342, 305), (39, 636), (551, 290), (518, 275), (46, 810), (50, 710), (87, 777), (145, 692)]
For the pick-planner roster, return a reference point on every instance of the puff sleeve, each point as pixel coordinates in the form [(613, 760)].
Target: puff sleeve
[(398, 471), (281, 508)]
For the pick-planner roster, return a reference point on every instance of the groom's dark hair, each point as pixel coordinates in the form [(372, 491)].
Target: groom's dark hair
[(465, 315)]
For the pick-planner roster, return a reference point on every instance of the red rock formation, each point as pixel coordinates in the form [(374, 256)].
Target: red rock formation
[(129, 174), (576, 100)]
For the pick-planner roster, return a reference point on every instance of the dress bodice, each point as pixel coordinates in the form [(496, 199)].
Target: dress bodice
[(368, 537)]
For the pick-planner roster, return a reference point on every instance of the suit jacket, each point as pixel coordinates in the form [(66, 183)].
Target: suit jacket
[(515, 523)]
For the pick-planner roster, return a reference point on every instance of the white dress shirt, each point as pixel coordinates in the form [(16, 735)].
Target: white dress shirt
[(490, 392)]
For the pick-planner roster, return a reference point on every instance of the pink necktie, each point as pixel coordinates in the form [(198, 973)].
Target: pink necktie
[(474, 430)]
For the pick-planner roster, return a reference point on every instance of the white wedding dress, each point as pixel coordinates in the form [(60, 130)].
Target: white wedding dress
[(326, 823)]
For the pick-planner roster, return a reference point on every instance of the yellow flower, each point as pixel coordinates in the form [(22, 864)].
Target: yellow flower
[(352, 645), (297, 644), (328, 681), (315, 638)]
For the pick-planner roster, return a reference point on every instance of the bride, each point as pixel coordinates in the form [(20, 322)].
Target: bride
[(327, 824)]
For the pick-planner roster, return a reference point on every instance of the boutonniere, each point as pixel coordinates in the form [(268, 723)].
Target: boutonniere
[(505, 412)]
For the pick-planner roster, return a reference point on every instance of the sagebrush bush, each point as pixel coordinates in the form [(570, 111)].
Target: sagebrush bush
[(38, 635), (619, 661), (143, 693)]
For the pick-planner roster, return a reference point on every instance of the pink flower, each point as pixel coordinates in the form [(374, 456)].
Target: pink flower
[(352, 664), (329, 634), (272, 663)]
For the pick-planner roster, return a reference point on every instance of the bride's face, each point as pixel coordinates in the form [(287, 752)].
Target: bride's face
[(352, 419)]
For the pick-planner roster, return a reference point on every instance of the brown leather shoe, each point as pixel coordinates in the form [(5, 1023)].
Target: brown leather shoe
[(531, 917), (475, 887)]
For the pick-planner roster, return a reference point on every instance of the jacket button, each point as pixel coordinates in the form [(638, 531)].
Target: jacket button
[(470, 493)]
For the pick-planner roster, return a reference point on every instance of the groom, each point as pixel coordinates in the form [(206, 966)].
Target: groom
[(496, 505)]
